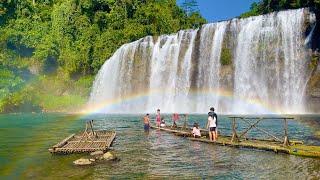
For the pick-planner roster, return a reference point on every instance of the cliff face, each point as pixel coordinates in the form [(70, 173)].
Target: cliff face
[(313, 84), (263, 64), (313, 87)]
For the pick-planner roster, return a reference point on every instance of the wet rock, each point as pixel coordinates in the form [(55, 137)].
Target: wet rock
[(99, 158), (96, 153), (108, 156), (82, 161)]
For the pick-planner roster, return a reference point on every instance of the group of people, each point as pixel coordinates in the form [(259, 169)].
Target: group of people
[(212, 124), (160, 122)]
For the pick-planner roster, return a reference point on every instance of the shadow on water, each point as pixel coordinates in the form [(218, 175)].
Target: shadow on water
[(25, 139)]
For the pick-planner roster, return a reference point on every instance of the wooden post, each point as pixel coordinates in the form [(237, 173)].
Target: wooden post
[(185, 122), (286, 140), (234, 131), (91, 126)]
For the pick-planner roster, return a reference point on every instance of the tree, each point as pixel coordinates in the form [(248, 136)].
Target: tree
[(190, 6)]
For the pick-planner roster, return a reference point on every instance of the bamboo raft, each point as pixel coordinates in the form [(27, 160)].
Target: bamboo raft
[(274, 144), (87, 141)]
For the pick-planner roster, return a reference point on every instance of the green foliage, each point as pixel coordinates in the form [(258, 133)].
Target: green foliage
[(314, 62), (226, 56), (254, 11), (55, 93), (63, 43), (10, 83), (267, 6), (82, 34), (20, 100), (190, 6)]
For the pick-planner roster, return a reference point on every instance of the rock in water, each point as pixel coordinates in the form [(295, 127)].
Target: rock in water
[(108, 156), (96, 153), (82, 161)]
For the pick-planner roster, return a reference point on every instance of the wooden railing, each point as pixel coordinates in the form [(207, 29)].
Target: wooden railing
[(236, 136)]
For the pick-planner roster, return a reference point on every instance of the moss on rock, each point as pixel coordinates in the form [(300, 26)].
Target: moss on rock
[(226, 56)]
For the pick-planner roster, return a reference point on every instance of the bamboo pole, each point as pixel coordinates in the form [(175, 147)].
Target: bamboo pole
[(266, 132), (185, 122), (247, 130), (234, 131), (286, 140)]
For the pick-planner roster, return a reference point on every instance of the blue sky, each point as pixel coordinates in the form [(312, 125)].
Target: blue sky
[(217, 10)]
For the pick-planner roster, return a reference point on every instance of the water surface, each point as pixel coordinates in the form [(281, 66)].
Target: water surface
[(25, 139)]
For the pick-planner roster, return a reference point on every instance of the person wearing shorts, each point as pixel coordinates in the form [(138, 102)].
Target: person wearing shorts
[(214, 115), (211, 125), (146, 122)]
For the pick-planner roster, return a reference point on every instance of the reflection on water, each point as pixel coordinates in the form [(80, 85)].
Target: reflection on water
[(25, 139)]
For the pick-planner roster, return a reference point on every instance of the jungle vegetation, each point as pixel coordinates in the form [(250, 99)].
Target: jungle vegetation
[(51, 49)]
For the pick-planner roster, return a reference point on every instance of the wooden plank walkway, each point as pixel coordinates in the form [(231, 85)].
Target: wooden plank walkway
[(294, 148)]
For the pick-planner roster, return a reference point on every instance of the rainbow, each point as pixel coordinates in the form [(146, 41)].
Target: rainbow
[(220, 93)]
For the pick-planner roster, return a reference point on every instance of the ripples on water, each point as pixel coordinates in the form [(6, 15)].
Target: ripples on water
[(25, 139)]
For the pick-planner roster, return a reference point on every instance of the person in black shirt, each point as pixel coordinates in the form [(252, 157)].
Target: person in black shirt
[(214, 115)]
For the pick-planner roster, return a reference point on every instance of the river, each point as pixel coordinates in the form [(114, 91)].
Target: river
[(25, 139)]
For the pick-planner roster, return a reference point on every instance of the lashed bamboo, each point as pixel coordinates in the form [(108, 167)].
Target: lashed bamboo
[(101, 140), (294, 148)]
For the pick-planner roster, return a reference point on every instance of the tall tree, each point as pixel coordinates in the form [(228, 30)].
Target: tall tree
[(190, 6)]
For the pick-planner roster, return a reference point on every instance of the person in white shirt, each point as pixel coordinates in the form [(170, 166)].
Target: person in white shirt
[(211, 125), (196, 131), (163, 123)]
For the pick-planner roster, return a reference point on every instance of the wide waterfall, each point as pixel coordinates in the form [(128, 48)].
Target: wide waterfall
[(254, 65)]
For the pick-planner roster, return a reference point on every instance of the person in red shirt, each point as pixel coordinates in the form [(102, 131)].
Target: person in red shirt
[(175, 118)]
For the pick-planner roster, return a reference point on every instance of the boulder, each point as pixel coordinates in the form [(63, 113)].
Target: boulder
[(96, 153), (92, 160), (82, 161), (108, 156)]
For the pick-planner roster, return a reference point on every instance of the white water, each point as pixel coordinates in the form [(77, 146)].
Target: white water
[(182, 72)]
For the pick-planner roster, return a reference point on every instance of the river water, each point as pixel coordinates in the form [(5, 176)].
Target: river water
[(25, 138)]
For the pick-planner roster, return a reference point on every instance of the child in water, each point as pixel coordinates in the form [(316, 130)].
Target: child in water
[(196, 131)]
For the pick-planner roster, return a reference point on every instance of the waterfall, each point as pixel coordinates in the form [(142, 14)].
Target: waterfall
[(209, 67), (183, 72)]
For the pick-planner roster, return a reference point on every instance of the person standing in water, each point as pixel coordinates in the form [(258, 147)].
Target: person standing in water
[(211, 125), (175, 118), (146, 121), (158, 118), (214, 115)]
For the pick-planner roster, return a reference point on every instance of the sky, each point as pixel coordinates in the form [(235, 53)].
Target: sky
[(218, 10)]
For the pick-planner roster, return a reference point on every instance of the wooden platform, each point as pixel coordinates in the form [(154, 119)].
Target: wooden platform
[(77, 143), (294, 148)]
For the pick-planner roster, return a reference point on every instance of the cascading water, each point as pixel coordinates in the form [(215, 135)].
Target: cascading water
[(182, 72), (209, 65)]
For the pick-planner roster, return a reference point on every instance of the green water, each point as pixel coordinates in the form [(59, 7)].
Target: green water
[(25, 139)]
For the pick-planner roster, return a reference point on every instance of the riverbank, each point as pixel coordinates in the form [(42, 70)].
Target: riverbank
[(54, 93)]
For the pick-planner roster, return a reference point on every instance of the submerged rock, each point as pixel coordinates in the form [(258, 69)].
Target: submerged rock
[(96, 153), (82, 161), (108, 156)]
